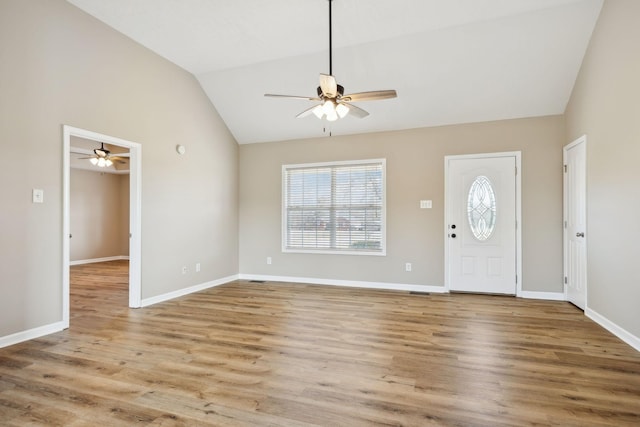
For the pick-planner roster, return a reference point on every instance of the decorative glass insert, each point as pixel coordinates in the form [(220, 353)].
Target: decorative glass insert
[(481, 208)]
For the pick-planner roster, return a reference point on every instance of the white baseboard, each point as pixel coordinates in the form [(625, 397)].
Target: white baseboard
[(616, 330), (551, 296), (31, 334), (347, 283), (181, 292), (105, 259)]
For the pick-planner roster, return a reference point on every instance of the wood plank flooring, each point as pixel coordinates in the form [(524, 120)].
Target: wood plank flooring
[(277, 354)]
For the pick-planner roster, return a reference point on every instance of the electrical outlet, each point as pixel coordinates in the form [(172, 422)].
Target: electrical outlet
[(184, 269), (269, 260), (197, 267), (407, 267)]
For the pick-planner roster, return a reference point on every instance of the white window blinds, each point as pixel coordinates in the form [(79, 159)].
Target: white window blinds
[(335, 207)]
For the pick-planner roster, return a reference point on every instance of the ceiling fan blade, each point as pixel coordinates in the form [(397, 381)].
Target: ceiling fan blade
[(118, 159), (86, 158), (306, 112), (308, 98), (370, 96), (355, 111), (121, 166), (328, 85)]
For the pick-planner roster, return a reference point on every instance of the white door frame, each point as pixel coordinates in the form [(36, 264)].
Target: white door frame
[(565, 231), (135, 217), (447, 241)]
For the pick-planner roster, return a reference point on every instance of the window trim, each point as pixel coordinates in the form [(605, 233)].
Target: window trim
[(383, 222)]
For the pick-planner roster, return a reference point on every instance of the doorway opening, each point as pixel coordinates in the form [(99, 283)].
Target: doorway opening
[(72, 137)]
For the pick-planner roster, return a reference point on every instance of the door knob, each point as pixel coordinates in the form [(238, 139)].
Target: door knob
[(579, 234), (453, 236)]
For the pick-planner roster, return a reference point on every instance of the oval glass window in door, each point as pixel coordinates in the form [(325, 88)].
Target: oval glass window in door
[(481, 208)]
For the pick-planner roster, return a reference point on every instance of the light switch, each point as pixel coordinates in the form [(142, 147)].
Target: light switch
[(425, 204), (37, 195)]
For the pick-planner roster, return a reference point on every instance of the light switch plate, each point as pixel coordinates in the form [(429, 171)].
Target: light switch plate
[(37, 195), (425, 204)]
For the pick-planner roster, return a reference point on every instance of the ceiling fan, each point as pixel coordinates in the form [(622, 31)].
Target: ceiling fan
[(333, 103), (103, 158)]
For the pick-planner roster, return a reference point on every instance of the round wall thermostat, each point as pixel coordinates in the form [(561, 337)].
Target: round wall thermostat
[(180, 149)]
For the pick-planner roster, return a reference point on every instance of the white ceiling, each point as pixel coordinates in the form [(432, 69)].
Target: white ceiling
[(451, 61)]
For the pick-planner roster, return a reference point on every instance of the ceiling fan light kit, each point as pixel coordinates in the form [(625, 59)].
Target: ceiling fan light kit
[(101, 162), (333, 103), (331, 110)]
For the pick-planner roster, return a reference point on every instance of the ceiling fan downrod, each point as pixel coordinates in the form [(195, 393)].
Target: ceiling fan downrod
[(330, 41)]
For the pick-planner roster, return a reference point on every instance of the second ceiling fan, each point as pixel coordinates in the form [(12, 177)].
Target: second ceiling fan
[(103, 158), (333, 103)]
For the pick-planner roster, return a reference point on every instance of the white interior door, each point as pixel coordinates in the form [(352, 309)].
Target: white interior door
[(481, 204), (575, 222)]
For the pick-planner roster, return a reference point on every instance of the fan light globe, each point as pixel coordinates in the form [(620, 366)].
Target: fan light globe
[(93, 161), (342, 110), (329, 108), (318, 111), (108, 162), (101, 162)]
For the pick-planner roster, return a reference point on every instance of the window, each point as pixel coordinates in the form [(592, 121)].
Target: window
[(481, 208), (334, 207)]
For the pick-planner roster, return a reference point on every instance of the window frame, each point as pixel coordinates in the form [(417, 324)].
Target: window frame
[(383, 212)]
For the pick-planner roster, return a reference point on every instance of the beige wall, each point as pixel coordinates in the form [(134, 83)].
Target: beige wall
[(415, 171), (605, 105), (61, 66), (99, 215)]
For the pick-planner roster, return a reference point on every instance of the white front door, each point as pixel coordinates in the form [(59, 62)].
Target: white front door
[(575, 222), (481, 216)]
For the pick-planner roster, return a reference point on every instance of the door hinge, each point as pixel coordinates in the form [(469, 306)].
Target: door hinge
[(565, 224), (565, 168), (566, 280)]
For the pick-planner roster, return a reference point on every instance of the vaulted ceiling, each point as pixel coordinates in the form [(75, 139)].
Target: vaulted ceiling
[(451, 61)]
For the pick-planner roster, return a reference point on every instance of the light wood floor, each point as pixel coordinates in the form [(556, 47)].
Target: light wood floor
[(279, 354)]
